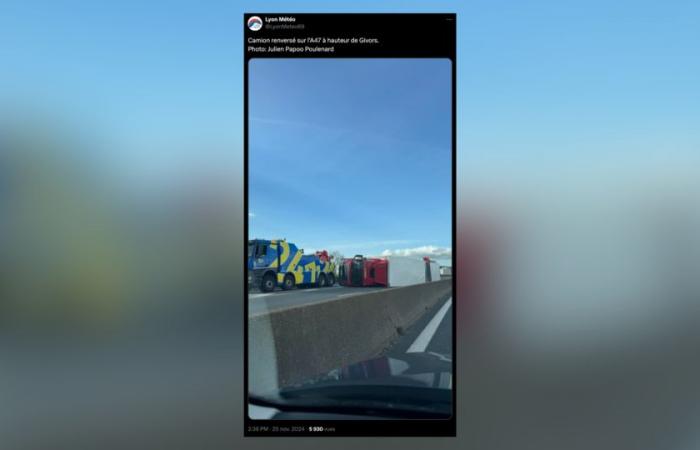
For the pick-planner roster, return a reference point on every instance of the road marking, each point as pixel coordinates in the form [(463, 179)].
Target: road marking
[(359, 291), (278, 293), (425, 336)]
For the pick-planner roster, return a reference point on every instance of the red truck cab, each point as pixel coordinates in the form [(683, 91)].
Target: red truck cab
[(361, 271)]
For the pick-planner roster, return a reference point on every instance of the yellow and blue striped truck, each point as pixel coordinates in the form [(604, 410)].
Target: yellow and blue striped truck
[(276, 262)]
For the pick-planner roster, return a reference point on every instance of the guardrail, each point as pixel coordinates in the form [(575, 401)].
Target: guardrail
[(290, 345)]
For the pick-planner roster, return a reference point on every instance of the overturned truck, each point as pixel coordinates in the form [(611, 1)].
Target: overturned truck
[(388, 271)]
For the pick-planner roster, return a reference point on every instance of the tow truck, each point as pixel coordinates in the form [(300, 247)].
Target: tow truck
[(276, 262)]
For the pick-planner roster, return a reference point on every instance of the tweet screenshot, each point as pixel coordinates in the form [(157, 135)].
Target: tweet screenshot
[(349, 174)]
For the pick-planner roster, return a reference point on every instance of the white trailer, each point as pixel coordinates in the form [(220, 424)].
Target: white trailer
[(407, 270)]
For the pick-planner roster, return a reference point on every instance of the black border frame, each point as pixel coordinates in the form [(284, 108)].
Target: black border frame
[(387, 428)]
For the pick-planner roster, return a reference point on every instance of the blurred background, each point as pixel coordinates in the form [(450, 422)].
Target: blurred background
[(121, 224)]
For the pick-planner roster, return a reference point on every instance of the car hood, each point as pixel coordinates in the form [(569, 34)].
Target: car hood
[(421, 369)]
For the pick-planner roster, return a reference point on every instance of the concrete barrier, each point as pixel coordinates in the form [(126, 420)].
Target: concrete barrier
[(290, 345)]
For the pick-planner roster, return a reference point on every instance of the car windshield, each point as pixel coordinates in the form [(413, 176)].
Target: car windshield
[(303, 367)]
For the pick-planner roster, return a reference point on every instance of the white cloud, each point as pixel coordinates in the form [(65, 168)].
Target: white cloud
[(250, 214), (426, 250)]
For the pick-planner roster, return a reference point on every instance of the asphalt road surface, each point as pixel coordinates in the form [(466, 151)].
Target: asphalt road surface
[(431, 333), (263, 302)]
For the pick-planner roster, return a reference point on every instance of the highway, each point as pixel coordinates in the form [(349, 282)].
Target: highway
[(431, 333), (300, 335), (263, 302)]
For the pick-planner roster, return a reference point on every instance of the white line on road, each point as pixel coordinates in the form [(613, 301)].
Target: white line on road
[(425, 336), (293, 291)]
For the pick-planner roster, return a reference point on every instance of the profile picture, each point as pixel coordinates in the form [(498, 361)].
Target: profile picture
[(255, 23)]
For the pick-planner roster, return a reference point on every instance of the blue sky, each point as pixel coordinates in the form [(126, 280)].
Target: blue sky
[(543, 86), (352, 155)]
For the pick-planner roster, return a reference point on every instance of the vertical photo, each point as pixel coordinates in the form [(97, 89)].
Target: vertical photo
[(350, 228)]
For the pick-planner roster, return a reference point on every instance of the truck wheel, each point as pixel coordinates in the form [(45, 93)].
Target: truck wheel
[(288, 282), (331, 279), (321, 280), (268, 283)]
